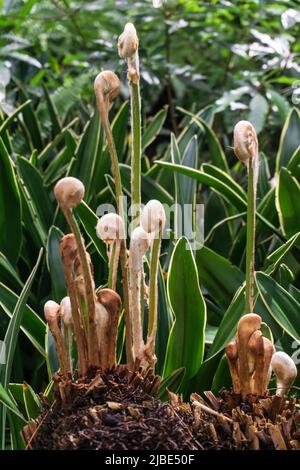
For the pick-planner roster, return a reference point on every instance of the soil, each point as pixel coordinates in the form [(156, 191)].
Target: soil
[(118, 410)]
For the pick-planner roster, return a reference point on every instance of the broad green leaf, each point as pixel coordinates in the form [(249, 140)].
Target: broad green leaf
[(10, 342), (12, 116), (187, 337), (225, 178), (36, 192), (219, 277), (89, 221), (186, 185), (192, 128), (32, 402), (154, 128), (150, 188), (280, 304), (59, 165), (16, 425), (88, 152), (31, 122), (54, 263), (217, 155), (185, 192), (288, 202), (222, 377), (10, 208), (227, 328), (263, 183), (171, 383), (295, 293), (8, 274), (51, 354), (7, 400), (294, 163), (53, 144), (31, 324), (176, 158), (56, 125), (203, 379), (285, 276), (223, 189), (274, 259), (258, 112), (16, 391), (164, 322), (289, 140)]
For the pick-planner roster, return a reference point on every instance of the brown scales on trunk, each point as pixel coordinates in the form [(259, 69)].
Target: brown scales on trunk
[(115, 410), (118, 410)]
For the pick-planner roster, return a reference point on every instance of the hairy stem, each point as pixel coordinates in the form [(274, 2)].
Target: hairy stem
[(113, 264), (136, 149), (250, 246), (78, 327), (152, 318), (123, 254), (93, 357)]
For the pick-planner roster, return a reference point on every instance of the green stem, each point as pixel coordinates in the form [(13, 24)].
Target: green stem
[(136, 149), (250, 246), (120, 206)]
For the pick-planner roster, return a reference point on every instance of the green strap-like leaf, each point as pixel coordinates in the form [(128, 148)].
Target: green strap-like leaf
[(218, 276), (32, 325), (171, 383), (10, 342), (289, 140), (7, 401), (10, 208), (280, 304), (288, 202), (154, 128), (187, 337), (54, 263), (273, 260), (89, 221), (217, 155)]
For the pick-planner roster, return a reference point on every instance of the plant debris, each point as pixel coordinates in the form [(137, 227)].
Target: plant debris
[(116, 410), (270, 423)]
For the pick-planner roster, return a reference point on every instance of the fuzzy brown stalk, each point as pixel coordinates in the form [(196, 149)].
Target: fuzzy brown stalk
[(246, 327), (93, 358), (52, 316), (232, 357), (68, 249), (112, 303)]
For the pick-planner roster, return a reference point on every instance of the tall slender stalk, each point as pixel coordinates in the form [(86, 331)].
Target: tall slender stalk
[(153, 221), (136, 148), (246, 149), (69, 193), (128, 50), (89, 292), (250, 247), (107, 87), (68, 253)]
